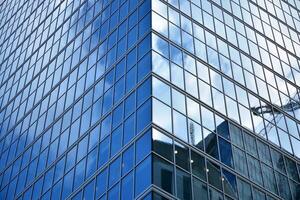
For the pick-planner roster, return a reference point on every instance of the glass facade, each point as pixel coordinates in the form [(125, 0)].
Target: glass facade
[(150, 99)]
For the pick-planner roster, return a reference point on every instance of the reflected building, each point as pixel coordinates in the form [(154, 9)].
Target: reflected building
[(150, 99)]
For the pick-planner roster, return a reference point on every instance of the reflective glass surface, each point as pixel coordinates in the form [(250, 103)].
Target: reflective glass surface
[(150, 99)]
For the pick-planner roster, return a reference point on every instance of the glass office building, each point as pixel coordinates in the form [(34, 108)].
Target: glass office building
[(150, 99)]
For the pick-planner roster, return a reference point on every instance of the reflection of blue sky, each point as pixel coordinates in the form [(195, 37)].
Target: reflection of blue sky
[(160, 66), (161, 91), (162, 115), (245, 78), (60, 107), (193, 110)]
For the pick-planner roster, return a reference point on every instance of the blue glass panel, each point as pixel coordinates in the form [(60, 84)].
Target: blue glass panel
[(143, 146), (89, 191), (129, 129), (103, 152), (143, 92), (128, 160), (225, 152), (114, 193), (101, 183), (127, 187), (144, 66), (143, 176), (114, 171), (116, 140), (144, 116)]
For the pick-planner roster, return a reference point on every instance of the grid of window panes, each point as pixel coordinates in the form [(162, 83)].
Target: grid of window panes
[(74, 84), (241, 77), (226, 81)]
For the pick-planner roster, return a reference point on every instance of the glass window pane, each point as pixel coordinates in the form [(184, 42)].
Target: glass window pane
[(254, 169), (161, 91), (162, 115), (240, 163), (193, 110), (183, 183), (180, 126), (284, 190), (214, 175), (163, 174), (114, 171), (250, 144), (143, 176), (229, 181), (244, 190), (291, 169), (195, 133), (236, 135), (198, 166), (258, 195), (269, 179), (200, 190), (143, 116), (178, 101), (278, 160), (264, 152), (143, 146), (127, 187), (182, 156), (128, 160), (211, 145), (113, 194), (162, 144), (215, 194), (225, 152), (160, 66)]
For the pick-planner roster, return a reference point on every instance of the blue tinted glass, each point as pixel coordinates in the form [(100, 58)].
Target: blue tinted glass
[(55, 190), (131, 79), (143, 92), (129, 129), (67, 185), (225, 152), (106, 126), (144, 46), (114, 171), (223, 129), (230, 183), (143, 146), (36, 189), (91, 163), (132, 36), (143, 176), (113, 194), (78, 196), (131, 59), (144, 67), (79, 173), (107, 101), (128, 160), (143, 116), (127, 187), (144, 25), (116, 140), (176, 55), (103, 152), (89, 191), (124, 10), (101, 183), (132, 20), (120, 69), (117, 115), (129, 105)]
